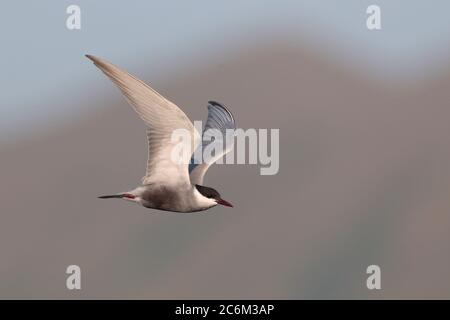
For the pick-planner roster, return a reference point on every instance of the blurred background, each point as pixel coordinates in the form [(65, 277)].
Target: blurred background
[(364, 149)]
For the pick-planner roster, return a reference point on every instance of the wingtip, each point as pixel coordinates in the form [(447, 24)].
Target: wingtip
[(100, 63), (90, 57), (217, 104)]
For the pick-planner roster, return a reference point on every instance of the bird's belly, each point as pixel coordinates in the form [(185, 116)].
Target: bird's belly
[(168, 199)]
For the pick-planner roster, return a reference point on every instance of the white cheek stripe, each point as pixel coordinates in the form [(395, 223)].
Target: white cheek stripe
[(202, 200)]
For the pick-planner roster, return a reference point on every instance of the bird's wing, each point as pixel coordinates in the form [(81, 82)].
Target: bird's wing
[(219, 126), (162, 117)]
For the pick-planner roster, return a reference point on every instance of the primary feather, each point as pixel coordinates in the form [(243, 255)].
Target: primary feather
[(220, 122), (162, 117)]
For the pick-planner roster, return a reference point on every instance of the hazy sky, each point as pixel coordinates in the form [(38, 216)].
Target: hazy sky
[(364, 165), (43, 61)]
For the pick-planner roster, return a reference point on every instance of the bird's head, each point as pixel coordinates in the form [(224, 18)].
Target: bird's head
[(212, 194)]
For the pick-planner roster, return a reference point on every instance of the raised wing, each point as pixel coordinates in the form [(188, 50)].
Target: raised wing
[(162, 117), (218, 131)]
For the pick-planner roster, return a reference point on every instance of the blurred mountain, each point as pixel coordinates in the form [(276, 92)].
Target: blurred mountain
[(364, 179)]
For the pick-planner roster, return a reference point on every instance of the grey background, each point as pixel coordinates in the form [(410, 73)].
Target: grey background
[(364, 150)]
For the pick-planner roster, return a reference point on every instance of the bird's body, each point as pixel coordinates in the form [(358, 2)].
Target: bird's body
[(171, 198), (170, 183)]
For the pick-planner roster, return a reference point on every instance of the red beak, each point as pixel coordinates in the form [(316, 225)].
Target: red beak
[(224, 203)]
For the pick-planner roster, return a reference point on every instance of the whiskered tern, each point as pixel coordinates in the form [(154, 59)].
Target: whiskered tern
[(168, 184)]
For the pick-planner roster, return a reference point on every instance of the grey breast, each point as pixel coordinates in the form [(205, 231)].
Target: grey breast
[(165, 198)]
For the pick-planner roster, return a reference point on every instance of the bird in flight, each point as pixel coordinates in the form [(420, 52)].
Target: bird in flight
[(170, 185)]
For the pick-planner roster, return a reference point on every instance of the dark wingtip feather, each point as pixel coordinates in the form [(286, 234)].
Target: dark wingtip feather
[(90, 57), (217, 104), (97, 61)]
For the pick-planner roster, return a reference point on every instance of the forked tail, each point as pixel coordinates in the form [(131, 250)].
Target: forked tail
[(118, 196)]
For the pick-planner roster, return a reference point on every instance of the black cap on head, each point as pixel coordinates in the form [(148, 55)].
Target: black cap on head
[(212, 194), (208, 192)]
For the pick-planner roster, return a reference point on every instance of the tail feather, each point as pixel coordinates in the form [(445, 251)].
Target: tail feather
[(119, 196)]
